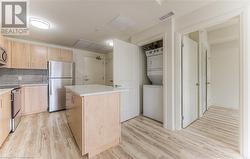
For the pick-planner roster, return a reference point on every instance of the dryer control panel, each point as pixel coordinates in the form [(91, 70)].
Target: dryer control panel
[(154, 52)]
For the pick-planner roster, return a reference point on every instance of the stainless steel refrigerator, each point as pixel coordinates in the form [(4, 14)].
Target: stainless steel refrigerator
[(60, 75)]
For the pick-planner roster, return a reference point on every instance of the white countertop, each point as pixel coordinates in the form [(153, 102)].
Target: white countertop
[(3, 91), (25, 85), (88, 90), (31, 85)]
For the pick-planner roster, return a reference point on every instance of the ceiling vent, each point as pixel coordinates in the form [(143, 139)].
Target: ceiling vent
[(166, 16)]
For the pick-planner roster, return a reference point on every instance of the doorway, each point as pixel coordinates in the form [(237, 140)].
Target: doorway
[(215, 101)]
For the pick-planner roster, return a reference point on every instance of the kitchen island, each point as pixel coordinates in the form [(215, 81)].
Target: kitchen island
[(93, 115)]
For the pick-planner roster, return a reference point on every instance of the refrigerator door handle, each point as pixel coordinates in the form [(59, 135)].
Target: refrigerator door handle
[(49, 66), (50, 87)]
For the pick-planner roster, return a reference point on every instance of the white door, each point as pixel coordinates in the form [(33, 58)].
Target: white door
[(208, 82), (190, 81), (126, 75), (94, 70)]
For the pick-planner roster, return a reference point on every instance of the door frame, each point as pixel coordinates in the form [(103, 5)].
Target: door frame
[(244, 14), (198, 78), (206, 65)]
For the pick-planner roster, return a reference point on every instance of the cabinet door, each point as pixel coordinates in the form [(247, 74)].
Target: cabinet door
[(5, 111), (1, 40), (66, 55), (20, 55), (7, 46), (35, 99), (54, 54), (2, 138), (38, 56)]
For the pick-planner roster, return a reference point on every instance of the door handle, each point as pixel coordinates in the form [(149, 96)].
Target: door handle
[(50, 88), (208, 83), (197, 84)]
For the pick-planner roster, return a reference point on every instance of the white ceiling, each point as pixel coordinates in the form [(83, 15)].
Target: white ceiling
[(99, 20)]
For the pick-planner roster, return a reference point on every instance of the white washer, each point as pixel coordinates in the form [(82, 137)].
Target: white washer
[(153, 102)]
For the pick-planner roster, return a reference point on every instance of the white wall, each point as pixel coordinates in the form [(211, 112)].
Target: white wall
[(225, 74), (80, 66), (224, 34)]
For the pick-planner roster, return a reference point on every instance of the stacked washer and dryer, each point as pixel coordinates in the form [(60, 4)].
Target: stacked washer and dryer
[(153, 94)]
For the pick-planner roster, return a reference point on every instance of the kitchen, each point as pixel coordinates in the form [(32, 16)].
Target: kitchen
[(36, 84), (103, 85)]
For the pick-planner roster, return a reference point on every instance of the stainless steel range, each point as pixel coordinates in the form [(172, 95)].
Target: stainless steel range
[(15, 105)]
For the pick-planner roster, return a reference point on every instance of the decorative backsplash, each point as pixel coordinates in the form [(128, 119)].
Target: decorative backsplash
[(22, 76)]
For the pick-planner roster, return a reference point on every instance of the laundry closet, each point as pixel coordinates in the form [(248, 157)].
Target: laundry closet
[(153, 92), (144, 66)]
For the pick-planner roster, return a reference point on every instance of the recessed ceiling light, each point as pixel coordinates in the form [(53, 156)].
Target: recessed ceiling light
[(110, 43), (38, 23)]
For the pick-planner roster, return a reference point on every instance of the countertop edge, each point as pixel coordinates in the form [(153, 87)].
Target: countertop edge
[(30, 85), (96, 93), (3, 91)]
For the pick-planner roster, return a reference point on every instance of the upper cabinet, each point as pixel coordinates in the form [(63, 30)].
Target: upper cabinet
[(7, 46), (56, 54), (66, 55), (20, 55), (38, 57), (1, 40), (32, 56)]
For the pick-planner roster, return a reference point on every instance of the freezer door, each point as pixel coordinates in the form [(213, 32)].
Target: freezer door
[(57, 94), (60, 69)]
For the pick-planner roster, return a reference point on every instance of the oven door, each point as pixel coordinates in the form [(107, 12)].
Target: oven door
[(16, 102)]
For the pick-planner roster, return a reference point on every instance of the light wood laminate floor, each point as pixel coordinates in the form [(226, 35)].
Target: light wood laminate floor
[(47, 136)]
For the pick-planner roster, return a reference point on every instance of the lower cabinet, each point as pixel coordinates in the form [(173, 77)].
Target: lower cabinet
[(34, 99), (5, 116)]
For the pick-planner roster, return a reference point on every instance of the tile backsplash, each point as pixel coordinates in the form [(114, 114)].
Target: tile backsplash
[(22, 76)]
